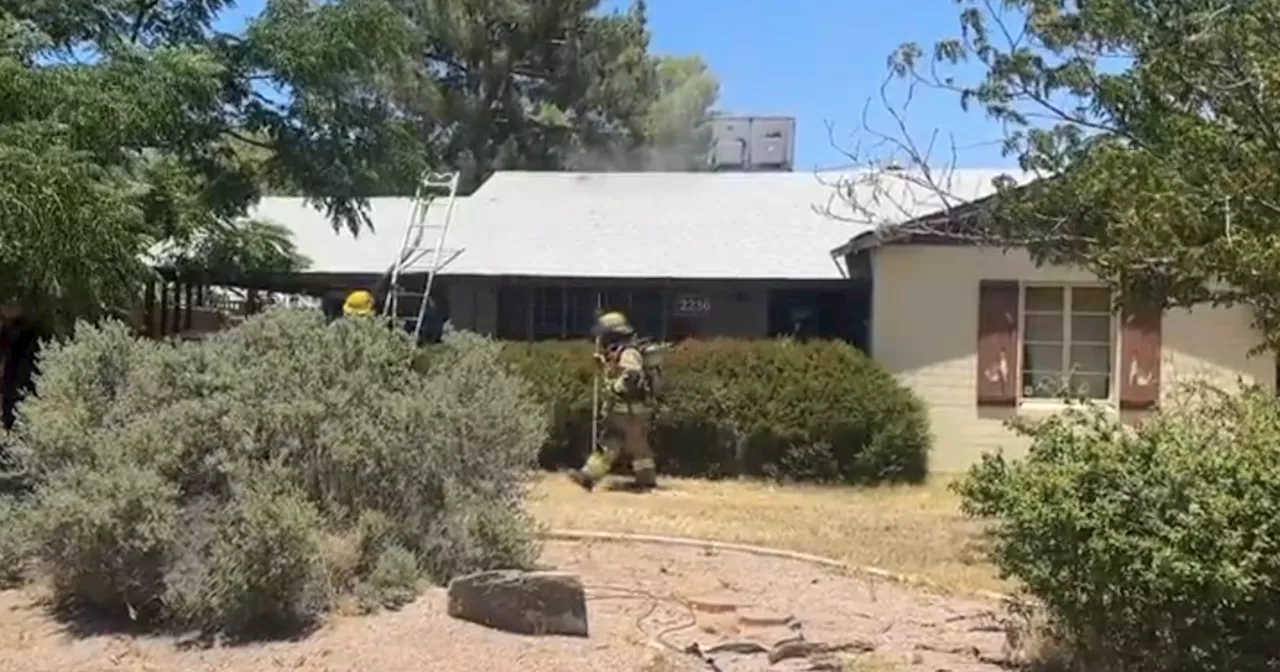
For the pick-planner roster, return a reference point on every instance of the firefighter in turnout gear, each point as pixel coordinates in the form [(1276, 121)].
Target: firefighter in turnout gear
[(626, 401)]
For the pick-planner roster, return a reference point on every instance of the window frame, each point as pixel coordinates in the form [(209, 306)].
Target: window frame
[(567, 312), (1068, 291), (547, 316)]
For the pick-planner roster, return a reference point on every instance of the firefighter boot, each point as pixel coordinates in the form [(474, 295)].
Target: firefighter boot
[(583, 479), (598, 464), (646, 473)]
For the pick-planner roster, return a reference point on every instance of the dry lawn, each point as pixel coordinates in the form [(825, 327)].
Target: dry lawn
[(916, 530)]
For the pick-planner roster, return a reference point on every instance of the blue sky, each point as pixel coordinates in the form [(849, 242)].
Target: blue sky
[(816, 60)]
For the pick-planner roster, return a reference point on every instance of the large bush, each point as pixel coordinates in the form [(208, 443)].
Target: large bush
[(817, 411), (1152, 548), (214, 482)]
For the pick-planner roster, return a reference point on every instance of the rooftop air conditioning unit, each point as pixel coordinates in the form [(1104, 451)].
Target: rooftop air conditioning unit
[(753, 143), (731, 140)]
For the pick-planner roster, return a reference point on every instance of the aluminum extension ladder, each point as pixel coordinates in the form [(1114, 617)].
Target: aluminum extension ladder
[(413, 247)]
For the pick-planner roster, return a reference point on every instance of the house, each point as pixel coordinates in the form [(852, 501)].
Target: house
[(532, 255), (980, 333)]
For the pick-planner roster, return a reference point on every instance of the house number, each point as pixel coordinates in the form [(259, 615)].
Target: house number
[(693, 304)]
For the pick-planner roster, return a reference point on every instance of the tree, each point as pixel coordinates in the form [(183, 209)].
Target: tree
[(125, 121), (240, 246), (678, 122), (547, 85), (1156, 126), (132, 126)]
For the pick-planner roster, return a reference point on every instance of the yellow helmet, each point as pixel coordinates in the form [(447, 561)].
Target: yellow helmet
[(358, 304), (614, 323)]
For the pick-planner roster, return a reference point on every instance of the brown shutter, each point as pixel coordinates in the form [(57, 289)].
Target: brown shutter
[(998, 343), (1140, 358)]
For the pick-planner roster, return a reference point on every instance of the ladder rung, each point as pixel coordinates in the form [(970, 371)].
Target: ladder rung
[(416, 267), (428, 250)]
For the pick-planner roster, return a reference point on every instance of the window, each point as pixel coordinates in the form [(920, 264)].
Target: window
[(583, 302), (1068, 342), (563, 312), (548, 312)]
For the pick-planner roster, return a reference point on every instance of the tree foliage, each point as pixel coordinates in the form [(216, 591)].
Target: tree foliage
[(1157, 123), (230, 247), (678, 121), (120, 120), (134, 126), (516, 84)]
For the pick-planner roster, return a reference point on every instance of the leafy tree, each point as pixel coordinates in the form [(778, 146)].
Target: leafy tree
[(125, 123), (1156, 123), (132, 126), (518, 84), (678, 121), (676, 126), (232, 247)]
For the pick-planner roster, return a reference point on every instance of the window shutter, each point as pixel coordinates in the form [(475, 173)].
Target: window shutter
[(998, 343), (1140, 358)]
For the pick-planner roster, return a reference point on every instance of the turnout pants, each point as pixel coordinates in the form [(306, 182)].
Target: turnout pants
[(625, 433)]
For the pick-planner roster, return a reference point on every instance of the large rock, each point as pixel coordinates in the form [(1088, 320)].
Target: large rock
[(528, 603)]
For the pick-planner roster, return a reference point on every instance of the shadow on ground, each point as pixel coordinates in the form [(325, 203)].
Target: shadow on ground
[(86, 623)]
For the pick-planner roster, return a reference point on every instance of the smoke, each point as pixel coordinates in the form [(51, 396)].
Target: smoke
[(640, 160), (682, 142), (686, 157)]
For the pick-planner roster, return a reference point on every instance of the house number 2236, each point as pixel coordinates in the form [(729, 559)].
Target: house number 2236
[(693, 304)]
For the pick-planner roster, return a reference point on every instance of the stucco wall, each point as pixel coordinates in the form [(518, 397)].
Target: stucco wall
[(925, 325)]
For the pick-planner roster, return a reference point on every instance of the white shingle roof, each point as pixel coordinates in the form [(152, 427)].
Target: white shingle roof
[(656, 225)]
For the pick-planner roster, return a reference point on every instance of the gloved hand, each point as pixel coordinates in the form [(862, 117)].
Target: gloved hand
[(600, 358)]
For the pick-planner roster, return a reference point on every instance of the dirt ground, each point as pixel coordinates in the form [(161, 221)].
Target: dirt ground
[(645, 602)]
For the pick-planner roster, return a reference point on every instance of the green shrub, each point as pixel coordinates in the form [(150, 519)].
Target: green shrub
[(818, 411), (260, 565), (373, 534), (393, 582), (14, 541), (263, 445), (103, 533), (560, 374), (1154, 547)]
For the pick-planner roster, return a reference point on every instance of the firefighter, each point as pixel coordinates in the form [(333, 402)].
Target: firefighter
[(359, 304), (626, 403)]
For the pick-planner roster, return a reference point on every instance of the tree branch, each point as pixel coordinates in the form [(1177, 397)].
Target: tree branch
[(145, 7), (250, 141)]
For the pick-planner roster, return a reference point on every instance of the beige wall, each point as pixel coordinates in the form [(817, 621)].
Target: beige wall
[(925, 326)]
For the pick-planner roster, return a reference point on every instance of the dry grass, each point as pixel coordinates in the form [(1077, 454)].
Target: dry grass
[(910, 530)]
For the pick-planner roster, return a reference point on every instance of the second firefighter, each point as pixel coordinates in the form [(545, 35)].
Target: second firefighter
[(626, 405)]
